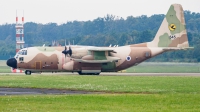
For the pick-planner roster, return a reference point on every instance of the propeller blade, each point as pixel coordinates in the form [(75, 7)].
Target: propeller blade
[(70, 51), (67, 52)]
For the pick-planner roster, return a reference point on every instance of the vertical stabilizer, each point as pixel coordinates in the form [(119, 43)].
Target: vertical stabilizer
[(172, 32)]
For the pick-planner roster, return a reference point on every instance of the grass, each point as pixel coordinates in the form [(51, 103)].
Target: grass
[(136, 84), (2, 62), (123, 93), (151, 67), (101, 103), (3, 67), (163, 69)]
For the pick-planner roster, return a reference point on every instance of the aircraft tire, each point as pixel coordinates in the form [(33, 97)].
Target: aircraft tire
[(27, 72), (80, 73), (96, 73)]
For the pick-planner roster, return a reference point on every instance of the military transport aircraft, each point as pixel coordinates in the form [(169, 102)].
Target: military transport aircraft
[(93, 60)]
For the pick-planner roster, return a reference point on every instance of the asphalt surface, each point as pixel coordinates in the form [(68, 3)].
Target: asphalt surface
[(151, 74), (114, 74), (31, 91)]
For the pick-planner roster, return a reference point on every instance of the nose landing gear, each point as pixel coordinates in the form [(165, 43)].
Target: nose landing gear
[(27, 72)]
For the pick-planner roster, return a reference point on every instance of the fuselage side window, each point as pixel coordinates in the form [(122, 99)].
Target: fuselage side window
[(147, 54)]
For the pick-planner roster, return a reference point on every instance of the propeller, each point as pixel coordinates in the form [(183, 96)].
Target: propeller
[(67, 52)]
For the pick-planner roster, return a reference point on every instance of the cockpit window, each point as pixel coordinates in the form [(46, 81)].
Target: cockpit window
[(21, 58), (19, 53), (22, 52)]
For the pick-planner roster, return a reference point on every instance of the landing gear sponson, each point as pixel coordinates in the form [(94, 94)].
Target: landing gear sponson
[(80, 73)]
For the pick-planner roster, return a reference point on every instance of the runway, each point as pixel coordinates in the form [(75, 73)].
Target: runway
[(112, 74), (150, 74)]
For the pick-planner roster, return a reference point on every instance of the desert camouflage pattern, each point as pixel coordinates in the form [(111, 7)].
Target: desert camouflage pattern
[(171, 35)]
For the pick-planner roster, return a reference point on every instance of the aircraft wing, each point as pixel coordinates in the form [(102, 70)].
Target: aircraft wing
[(99, 55), (100, 49)]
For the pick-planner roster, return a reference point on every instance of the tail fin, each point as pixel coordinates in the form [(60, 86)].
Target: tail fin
[(172, 32)]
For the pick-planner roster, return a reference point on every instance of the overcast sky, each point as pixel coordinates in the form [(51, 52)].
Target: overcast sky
[(61, 11)]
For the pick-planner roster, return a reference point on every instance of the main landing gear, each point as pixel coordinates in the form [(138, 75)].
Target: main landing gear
[(27, 72), (80, 73)]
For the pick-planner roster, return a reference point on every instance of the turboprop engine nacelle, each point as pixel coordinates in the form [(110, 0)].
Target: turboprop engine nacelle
[(69, 65), (78, 53)]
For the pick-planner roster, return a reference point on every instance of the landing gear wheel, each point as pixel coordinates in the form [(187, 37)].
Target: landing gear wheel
[(27, 72), (96, 73), (80, 73)]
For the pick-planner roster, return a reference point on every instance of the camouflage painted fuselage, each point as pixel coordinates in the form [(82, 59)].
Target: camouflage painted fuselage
[(52, 59)]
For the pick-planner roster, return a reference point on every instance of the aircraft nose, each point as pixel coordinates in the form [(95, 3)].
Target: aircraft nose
[(12, 62)]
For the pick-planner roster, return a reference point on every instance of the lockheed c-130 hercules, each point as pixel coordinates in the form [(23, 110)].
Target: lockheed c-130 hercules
[(93, 60)]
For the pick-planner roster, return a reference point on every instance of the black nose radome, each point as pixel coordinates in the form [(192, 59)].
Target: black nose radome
[(12, 62)]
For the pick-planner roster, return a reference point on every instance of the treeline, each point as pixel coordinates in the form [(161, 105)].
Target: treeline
[(103, 32)]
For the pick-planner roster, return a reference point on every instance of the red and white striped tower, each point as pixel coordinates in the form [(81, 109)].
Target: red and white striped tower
[(19, 38), (19, 33)]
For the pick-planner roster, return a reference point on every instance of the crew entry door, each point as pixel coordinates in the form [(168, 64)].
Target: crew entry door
[(38, 65)]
